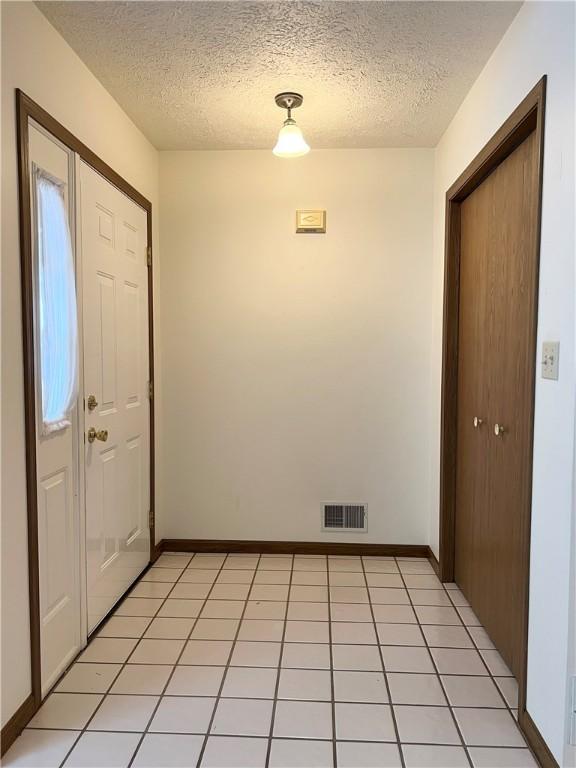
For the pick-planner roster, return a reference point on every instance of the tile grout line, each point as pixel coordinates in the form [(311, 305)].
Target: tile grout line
[(330, 645), (384, 671), (279, 671), (227, 665)]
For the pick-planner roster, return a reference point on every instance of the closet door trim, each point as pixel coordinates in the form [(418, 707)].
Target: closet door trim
[(526, 118)]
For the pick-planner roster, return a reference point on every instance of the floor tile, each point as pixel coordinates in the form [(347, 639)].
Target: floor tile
[(89, 678), (388, 596), (250, 682), (272, 577), (468, 617), (348, 594), (230, 591), (481, 638), (303, 719), (169, 751), (490, 757), (400, 634), (66, 710), (347, 579), (172, 629), (256, 609), (308, 594), (357, 657), (142, 679), (394, 614), (443, 636), (108, 650), (235, 577), (172, 561), (384, 580), (181, 714), (488, 727), (151, 589), (429, 597), (426, 725), (413, 581), (192, 591), (261, 629), (157, 652), (269, 592), (364, 722), (198, 576), (166, 575), (345, 564), (310, 578), (406, 659), (368, 687), (242, 717), (215, 629), (408, 567), (458, 661), (308, 611), (228, 751), (467, 691), (306, 656), (275, 563), (124, 713), (195, 681), (496, 664), (223, 609), (255, 654), (429, 614), (103, 750), (380, 566), (124, 626), (509, 689), (175, 608), (350, 612), (234, 562), (457, 598), (215, 652), (367, 755), (39, 749), (310, 564), (305, 684), (139, 606), (414, 688), (431, 756), (353, 633), (307, 632), (207, 561), (299, 753)]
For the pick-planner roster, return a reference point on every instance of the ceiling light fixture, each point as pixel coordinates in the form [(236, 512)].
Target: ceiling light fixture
[(290, 142)]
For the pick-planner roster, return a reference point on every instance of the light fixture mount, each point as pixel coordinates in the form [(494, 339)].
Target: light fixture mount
[(289, 100)]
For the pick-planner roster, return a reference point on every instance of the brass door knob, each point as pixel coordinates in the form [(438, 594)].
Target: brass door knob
[(91, 402), (93, 434), (499, 430), (477, 422)]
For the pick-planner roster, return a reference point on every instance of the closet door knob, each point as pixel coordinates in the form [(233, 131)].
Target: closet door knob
[(477, 422), (499, 430)]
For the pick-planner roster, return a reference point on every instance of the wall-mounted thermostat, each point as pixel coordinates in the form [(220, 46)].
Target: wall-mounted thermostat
[(313, 222)]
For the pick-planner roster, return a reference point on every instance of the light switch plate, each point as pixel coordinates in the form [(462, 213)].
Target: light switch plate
[(550, 355)]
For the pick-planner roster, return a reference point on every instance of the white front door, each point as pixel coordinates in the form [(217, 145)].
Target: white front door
[(116, 404), (56, 467)]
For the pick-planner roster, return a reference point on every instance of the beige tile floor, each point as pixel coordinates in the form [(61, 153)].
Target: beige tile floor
[(233, 660)]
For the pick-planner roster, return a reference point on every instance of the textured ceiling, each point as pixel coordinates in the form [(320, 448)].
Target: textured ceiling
[(203, 75)]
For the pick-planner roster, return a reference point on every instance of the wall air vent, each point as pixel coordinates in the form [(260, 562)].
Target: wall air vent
[(344, 517)]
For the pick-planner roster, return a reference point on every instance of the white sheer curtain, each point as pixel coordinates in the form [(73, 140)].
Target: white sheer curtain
[(58, 318)]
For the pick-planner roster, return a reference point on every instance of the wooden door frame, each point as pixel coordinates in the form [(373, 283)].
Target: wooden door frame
[(27, 109), (526, 118)]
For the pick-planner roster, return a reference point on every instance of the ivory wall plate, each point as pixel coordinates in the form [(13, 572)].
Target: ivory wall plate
[(313, 222)]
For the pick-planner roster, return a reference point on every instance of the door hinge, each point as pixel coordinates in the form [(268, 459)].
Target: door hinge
[(150, 390), (150, 518), (149, 256)]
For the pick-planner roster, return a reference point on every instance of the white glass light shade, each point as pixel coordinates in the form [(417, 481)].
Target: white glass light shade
[(290, 142)]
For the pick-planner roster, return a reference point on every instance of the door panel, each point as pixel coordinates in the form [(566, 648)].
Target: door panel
[(495, 379), (116, 370)]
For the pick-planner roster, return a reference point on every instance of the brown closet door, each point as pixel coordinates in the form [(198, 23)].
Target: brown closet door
[(498, 230)]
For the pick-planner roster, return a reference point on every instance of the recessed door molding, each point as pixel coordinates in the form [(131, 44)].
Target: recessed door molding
[(527, 118)]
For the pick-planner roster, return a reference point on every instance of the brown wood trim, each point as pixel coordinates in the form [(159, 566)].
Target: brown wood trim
[(536, 742), (17, 723), (293, 547), (527, 117), (26, 108), (434, 562)]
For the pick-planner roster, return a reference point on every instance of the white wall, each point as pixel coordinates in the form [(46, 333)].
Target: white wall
[(37, 60), (539, 41), (295, 366)]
